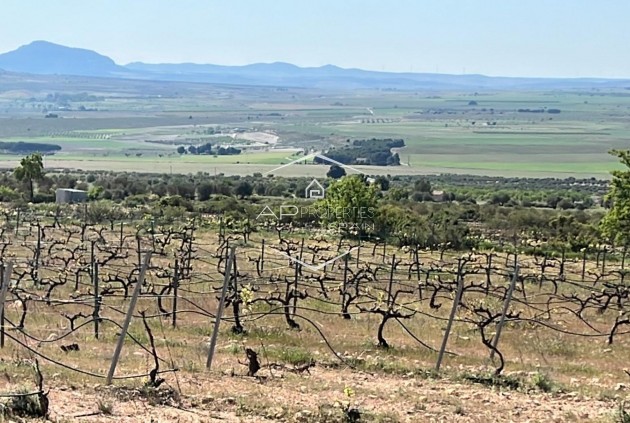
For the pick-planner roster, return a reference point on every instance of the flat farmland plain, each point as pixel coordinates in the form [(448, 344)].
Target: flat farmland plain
[(537, 134)]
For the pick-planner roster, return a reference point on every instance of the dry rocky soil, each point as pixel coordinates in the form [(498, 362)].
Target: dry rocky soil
[(283, 396)]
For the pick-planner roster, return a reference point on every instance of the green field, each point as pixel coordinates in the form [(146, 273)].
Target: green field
[(477, 133)]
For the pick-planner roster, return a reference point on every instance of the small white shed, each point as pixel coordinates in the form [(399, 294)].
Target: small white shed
[(69, 196)]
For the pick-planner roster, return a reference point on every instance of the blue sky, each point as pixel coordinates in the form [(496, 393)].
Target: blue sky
[(492, 37)]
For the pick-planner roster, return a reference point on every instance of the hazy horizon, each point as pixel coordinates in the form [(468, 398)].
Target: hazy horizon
[(488, 37)]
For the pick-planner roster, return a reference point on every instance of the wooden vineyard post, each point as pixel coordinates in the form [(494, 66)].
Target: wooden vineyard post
[(92, 254), (57, 215), (153, 233), (344, 286), (458, 297), (262, 256), (97, 298), (217, 320), (235, 270), (5, 281), (599, 253), (138, 251), (175, 289), (2, 329), (488, 272), (125, 326), (236, 304), (90, 269), (221, 230), (17, 222), (189, 253), (583, 264), (390, 297), (295, 287), (506, 305), (121, 233), (300, 259), (542, 271), (39, 248), (417, 260), (227, 253)]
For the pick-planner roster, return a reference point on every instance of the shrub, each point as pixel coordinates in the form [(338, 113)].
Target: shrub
[(105, 408), (24, 405), (543, 382), (7, 194), (43, 198), (176, 201), (295, 356)]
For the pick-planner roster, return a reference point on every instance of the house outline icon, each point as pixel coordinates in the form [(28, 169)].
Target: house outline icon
[(316, 192)]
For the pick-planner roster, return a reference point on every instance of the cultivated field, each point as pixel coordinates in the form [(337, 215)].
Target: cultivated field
[(138, 127)]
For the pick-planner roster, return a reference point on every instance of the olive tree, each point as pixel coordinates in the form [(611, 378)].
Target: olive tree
[(31, 169)]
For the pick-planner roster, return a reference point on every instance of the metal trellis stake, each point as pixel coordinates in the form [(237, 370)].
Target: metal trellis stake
[(506, 304), (125, 327), (458, 297), (217, 320)]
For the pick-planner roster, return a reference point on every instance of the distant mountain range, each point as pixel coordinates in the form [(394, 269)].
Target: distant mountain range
[(45, 58)]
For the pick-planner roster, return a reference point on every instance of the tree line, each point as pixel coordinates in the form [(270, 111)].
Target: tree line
[(207, 150), (20, 147), (376, 152), (451, 220)]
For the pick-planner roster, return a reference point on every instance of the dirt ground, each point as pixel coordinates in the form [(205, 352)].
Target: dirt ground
[(319, 396)]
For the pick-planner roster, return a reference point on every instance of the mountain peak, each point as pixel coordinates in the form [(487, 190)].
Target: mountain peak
[(42, 43), (44, 57)]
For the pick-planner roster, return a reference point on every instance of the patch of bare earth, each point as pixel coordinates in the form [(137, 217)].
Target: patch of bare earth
[(288, 397)]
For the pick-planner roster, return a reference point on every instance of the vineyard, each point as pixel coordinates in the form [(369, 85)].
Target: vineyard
[(140, 307)]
